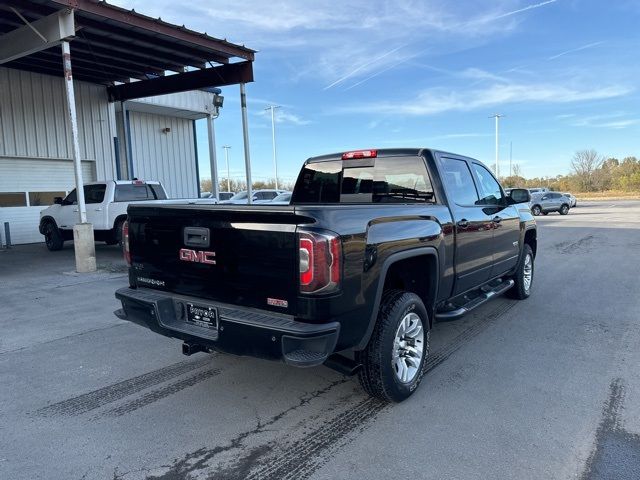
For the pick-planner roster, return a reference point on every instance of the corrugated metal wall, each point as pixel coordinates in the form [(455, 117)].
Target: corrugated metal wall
[(167, 157), (33, 120), (35, 144)]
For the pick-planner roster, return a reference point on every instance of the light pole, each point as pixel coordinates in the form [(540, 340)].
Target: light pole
[(273, 137), (226, 159), (245, 141), (497, 117)]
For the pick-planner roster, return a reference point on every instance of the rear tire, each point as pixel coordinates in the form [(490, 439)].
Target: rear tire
[(564, 209), (52, 237), (536, 210), (394, 361), (115, 236), (523, 277)]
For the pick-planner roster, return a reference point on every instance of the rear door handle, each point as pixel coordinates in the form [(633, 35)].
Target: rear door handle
[(464, 223), (98, 209), (75, 209), (497, 219)]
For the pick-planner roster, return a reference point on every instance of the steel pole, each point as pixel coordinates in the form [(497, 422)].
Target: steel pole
[(71, 104), (245, 135), (212, 156), (497, 165), (226, 160), (83, 238), (273, 137)]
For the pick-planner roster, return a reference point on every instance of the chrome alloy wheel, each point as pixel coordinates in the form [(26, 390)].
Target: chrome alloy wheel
[(528, 272), (407, 348)]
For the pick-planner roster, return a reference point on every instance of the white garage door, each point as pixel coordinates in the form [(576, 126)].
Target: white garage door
[(29, 185)]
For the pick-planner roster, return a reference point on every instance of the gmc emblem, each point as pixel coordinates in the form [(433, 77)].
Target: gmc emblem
[(198, 256)]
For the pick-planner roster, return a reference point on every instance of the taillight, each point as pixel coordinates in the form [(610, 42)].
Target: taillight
[(320, 257), (125, 242)]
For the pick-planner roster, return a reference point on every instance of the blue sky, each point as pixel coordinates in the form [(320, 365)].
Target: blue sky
[(376, 74)]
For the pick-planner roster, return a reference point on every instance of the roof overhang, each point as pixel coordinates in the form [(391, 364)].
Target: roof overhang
[(114, 46)]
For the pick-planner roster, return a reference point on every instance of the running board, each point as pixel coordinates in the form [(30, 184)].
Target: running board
[(476, 302)]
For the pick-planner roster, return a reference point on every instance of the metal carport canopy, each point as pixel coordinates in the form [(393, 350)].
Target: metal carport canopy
[(126, 51), (114, 45)]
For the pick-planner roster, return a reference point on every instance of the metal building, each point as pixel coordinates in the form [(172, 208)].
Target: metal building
[(35, 146), (138, 85)]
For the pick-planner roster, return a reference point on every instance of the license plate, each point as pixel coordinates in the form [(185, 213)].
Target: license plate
[(206, 317)]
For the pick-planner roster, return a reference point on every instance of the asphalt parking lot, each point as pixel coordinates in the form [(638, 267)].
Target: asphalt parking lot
[(544, 388)]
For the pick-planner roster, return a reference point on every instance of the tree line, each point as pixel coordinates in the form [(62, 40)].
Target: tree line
[(241, 185), (590, 172)]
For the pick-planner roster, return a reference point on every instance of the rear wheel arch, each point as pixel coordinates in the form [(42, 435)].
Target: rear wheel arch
[(411, 261), (118, 219), (116, 230), (531, 239)]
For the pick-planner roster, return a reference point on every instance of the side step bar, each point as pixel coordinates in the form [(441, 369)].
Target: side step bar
[(476, 302)]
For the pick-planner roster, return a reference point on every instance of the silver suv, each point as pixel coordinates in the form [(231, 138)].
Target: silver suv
[(543, 203)]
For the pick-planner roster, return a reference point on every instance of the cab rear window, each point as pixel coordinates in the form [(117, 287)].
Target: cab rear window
[(380, 180), (132, 193)]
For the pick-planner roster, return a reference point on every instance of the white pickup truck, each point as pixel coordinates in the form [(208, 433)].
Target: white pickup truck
[(106, 204)]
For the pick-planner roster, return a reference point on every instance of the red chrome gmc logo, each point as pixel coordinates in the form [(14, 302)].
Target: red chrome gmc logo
[(197, 256)]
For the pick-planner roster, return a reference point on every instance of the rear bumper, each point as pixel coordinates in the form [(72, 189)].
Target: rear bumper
[(240, 331)]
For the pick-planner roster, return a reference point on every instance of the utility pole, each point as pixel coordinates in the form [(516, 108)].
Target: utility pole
[(212, 155), (245, 136), (273, 137), (497, 116), (226, 159)]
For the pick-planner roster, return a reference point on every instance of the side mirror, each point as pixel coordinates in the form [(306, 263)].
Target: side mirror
[(520, 195), (57, 200)]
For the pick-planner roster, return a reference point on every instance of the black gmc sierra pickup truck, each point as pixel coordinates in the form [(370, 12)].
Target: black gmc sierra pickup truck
[(375, 246)]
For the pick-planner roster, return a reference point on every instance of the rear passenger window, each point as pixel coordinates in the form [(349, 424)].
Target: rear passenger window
[(457, 177), (158, 192), (132, 193)]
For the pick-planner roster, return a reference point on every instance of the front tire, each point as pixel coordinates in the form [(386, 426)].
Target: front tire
[(52, 237), (524, 275), (394, 361)]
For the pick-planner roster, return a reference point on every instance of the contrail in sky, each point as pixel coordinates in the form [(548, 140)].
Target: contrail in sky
[(584, 47), (524, 9), (364, 65)]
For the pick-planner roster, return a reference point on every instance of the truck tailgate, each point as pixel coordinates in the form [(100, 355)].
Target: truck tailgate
[(251, 259)]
